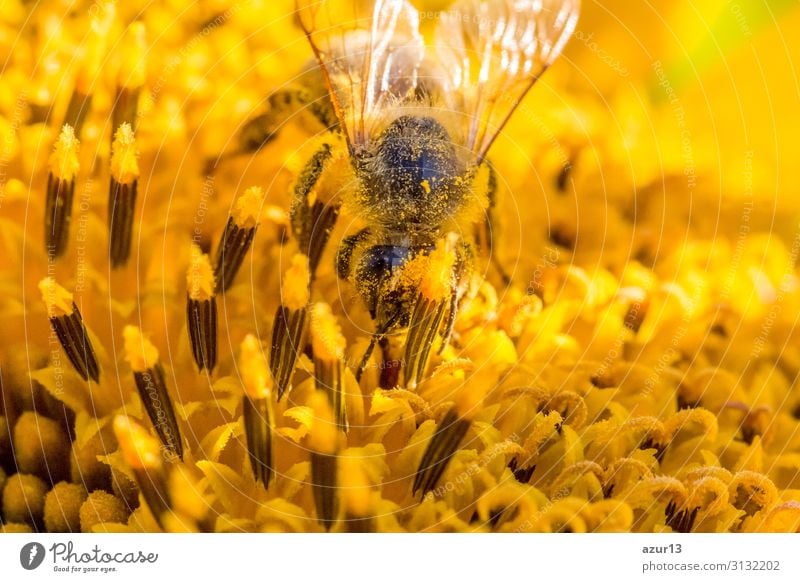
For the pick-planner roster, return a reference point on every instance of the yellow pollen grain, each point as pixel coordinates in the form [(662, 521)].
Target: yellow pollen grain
[(426, 185), (294, 288), (140, 353), (247, 209), (64, 159), (134, 50), (327, 340), (124, 163), (437, 279), (253, 369), (324, 435), (139, 448), (57, 299), (200, 276)]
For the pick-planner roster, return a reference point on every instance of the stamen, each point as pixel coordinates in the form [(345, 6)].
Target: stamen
[(148, 374), (451, 430), (238, 236), (122, 194), (80, 101), (440, 450), (201, 310), (131, 76), (289, 330), (259, 422), (328, 345), (60, 191), (67, 323), (680, 520), (324, 444), (435, 289), (142, 453)]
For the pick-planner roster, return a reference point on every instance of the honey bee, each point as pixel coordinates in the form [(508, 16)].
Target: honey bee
[(417, 120)]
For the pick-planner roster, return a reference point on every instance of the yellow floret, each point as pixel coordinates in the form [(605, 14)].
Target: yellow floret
[(140, 449), (140, 353), (327, 340), (355, 485), (41, 447), (200, 276), (324, 434), (62, 507), (124, 162), (253, 369), (57, 299), (294, 290), (247, 208), (100, 508), (64, 159), (23, 499)]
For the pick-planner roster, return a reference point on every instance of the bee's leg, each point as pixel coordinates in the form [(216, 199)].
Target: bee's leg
[(451, 319), (344, 268), (313, 219), (456, 293), (344, 255), (483, 235)]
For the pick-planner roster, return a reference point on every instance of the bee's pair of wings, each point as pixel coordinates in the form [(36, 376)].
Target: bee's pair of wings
[(486, 55)]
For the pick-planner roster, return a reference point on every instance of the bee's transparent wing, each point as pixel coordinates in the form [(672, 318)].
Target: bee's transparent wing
[(369, 53), (492, 52)]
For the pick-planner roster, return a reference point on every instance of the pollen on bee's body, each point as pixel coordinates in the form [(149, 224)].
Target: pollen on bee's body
[(148, 376), (64, 167), (67, 323), (201, 309), (122, 194), (238, 236)]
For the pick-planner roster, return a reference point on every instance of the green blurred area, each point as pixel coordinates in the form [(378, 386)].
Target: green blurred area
[(732, 66)]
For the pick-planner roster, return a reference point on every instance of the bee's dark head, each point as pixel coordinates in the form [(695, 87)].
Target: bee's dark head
[(412, 174)]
